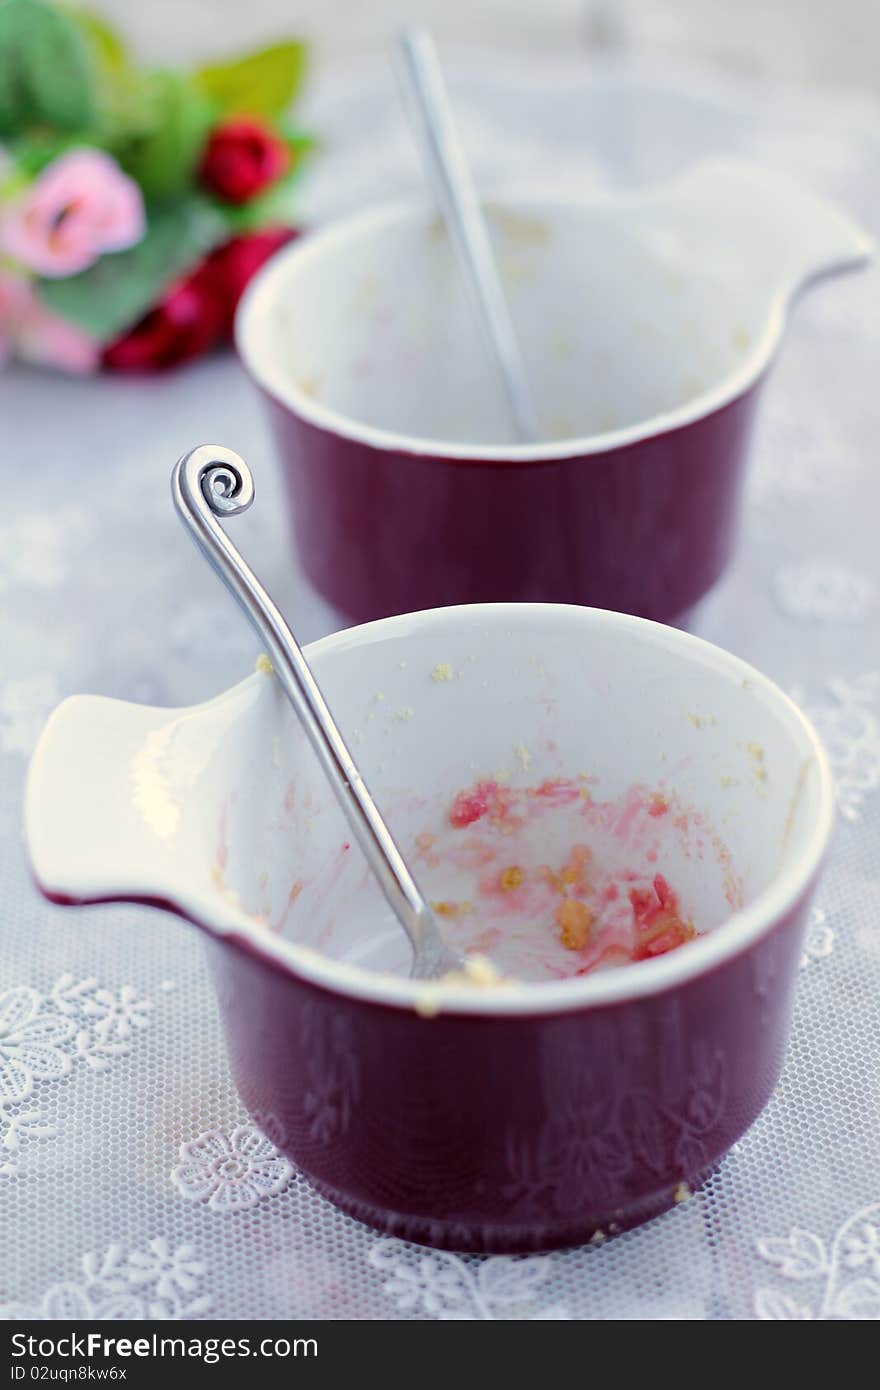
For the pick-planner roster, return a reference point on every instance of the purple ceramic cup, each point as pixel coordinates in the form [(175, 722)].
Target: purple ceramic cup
[(647, 322), (519, 1117)]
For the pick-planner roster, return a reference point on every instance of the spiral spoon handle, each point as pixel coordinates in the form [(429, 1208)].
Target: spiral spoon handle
[(210, 482)]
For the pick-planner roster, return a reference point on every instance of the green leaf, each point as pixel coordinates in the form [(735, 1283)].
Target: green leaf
[(106, 45), (300, 144), (37, 151), (175, 118), (116, 291), (261, 84), (46, 72)]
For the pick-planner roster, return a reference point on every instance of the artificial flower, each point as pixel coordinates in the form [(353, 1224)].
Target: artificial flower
[(236, 261), (188, 320), (80, 206), (30, 331), (196, 313), (242, 158)]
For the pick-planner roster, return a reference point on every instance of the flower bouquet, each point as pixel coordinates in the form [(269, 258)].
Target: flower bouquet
[(134, 204)]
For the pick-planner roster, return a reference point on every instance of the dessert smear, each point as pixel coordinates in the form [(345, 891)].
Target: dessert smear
[(549, 882)]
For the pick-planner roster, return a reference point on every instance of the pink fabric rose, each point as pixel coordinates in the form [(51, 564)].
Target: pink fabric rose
[(80, 206), (30, 331)]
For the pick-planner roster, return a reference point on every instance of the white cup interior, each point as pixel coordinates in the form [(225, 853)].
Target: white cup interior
[(624, 314), (432, 703)]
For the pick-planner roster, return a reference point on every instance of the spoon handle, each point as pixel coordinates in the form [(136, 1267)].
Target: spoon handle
[(434, 128), (210, 482)]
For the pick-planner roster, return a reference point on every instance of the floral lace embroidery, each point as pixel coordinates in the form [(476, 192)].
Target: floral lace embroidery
[(849, 728), (231, 1172), (819, 940), (37, 549), (443, 1286), (42, 1037), (850, 1271), (24, 706), (801, 459), (155, 1282), (824, 592)]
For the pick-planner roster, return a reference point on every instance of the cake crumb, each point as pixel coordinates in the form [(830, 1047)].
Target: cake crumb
[(756, 753), (681, 1194), (597, 1238), (264, 664), (405, 713), (476, 970), (523, 756), (442, 672), (574, 920), (450, 909), (426, 1004)]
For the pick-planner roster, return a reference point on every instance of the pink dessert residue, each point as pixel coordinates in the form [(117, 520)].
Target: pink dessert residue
[(551, 882)]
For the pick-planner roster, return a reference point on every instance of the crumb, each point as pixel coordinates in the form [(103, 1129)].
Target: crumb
[(426, 1003), (264, 664), (379, 696), (597, 1238), (681, 1194), (756, 753), (523, 756), (511, 878), (447, 909), (702, 721), (405, 713), (442, 672), (574, 919), (478, 970)]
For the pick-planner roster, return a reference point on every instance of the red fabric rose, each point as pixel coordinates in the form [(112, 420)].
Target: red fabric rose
[(188, 320), (242, 157), (196, 313), (237, 260)]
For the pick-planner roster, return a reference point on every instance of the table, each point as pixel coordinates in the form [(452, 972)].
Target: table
[(116, 1101)]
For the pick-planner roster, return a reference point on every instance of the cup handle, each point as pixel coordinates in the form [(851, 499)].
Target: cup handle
[(778, 232), (100, 817)]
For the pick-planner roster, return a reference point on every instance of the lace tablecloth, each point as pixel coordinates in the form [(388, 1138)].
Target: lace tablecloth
[(115, 1100)]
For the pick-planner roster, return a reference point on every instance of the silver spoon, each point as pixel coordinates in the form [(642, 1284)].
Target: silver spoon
[(427, 105), (211, 482)]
